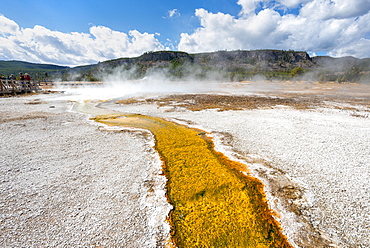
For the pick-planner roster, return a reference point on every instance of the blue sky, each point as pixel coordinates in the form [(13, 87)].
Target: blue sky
[(84, 32), (121, 15)]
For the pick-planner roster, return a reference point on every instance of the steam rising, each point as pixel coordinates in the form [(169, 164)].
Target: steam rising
[(121, 83), (123, 89), (153, 86)]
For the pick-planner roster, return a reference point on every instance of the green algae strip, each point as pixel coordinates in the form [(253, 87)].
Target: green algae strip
[(214, 204)]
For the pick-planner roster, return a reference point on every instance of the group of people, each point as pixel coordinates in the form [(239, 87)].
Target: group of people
[(25, 77), (22, 77), (21, 84)]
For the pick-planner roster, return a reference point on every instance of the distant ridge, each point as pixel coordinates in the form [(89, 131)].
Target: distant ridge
[(28, 66), (15, 67), (233, 65), (271, 60), (267, 59)]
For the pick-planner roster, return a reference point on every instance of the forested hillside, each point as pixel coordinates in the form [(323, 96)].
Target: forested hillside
[(37, 71), (222, 65)]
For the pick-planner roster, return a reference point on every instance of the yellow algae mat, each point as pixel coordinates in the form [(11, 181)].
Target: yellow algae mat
[(214, 204)]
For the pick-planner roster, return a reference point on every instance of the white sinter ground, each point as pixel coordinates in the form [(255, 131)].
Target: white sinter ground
[(325, 150), (66, 181)]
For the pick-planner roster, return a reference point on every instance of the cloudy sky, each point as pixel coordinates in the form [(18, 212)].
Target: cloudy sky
[(78, 32)]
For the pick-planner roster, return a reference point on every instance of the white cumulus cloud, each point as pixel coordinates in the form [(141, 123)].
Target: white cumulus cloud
[(338, 9), (7, 26), (39, 44), (338, 27), (293, 3), (248, 6), (173, 13)]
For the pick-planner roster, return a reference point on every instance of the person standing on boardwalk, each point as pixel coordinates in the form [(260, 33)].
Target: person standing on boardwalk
[(21, 76), (27, 77)]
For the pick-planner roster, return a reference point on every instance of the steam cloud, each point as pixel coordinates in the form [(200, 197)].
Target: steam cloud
[(119, 84)]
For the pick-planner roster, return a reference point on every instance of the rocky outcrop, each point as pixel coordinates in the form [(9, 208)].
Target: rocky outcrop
[(150, 59), (342, 63), (266, 60), (165, 56), (263, 59)]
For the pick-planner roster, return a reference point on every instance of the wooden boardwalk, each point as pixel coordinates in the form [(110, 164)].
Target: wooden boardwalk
[(13, 87)]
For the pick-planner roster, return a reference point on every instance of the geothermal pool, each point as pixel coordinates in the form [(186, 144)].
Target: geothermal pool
[(308, 143)]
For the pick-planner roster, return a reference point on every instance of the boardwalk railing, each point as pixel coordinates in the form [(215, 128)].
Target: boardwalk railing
[(17, 86)]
